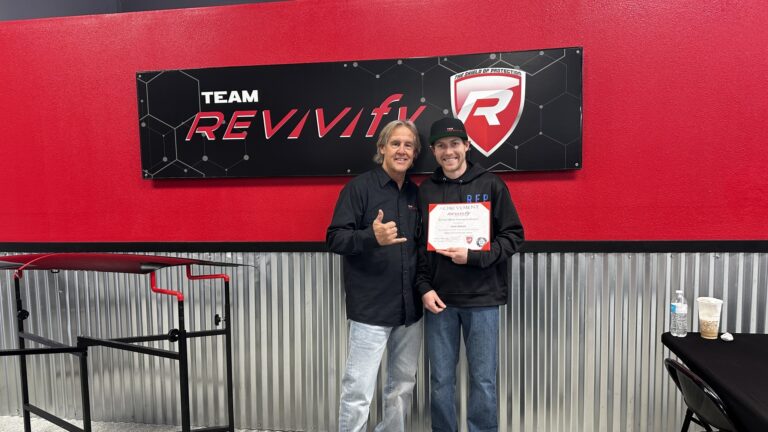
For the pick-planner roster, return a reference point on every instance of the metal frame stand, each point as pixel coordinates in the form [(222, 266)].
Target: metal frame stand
[(180, 335), (56, 348)]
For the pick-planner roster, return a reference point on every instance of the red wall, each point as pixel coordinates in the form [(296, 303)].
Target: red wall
[(675, 102)]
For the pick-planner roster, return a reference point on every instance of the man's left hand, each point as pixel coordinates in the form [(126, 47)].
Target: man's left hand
[(457, 255)]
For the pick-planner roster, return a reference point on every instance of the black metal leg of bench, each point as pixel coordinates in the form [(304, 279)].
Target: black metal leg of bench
[(228, 341), (183, 372), (21, 315)]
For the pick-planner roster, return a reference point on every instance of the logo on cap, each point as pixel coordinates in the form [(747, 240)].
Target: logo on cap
[(490, 103)]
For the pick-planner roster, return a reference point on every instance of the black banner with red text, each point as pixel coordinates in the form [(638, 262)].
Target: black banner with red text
[(522, 112)]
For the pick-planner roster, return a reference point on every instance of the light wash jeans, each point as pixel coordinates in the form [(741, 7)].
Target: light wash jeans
[(480, 326), (366, 346)]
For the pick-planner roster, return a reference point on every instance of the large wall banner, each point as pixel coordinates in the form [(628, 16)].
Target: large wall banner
[(522, 111)]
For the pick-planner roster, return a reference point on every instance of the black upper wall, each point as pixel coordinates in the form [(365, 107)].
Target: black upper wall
[(29, 9)]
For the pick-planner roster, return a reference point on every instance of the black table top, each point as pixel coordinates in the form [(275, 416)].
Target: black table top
[(105, 262), (735, 370)]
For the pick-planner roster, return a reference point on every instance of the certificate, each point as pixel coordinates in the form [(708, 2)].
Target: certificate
[(462, 225)]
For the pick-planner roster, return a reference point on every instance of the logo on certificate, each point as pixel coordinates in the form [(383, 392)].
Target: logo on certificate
[(490, 102)]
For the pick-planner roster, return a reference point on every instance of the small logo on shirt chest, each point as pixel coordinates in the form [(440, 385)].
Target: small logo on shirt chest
[(477, 198)]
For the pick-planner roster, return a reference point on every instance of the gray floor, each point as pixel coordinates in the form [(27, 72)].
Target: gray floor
[(16, 424)]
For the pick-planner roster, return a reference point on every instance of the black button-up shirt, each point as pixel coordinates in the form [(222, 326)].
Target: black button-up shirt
[(378, 280)]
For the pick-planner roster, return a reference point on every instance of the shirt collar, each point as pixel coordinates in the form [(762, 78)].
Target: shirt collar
[(384, 178)]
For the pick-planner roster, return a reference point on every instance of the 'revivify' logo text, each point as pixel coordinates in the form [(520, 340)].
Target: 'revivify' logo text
[(209, 123), (490, 102)]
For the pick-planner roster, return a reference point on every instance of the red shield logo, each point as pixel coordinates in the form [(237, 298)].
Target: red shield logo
[(490, 102), (469, 239)]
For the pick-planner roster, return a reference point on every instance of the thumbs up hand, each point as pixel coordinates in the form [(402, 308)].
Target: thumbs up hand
[(386, 233)]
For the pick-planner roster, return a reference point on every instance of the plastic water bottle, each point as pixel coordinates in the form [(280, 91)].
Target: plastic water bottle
[(679, 309)]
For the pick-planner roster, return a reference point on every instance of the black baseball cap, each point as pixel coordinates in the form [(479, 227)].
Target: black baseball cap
[(446, 127)]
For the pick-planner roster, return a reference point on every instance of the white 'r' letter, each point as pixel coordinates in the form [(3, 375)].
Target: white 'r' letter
[(503, 97)]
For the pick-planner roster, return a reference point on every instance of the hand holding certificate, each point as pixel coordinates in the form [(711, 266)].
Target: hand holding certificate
[(460, 225)]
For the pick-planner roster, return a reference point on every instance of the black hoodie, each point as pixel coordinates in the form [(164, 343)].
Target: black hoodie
[(482, 281)]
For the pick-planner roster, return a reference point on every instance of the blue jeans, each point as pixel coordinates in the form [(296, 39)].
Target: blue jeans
[(366, 346), (480, 326)]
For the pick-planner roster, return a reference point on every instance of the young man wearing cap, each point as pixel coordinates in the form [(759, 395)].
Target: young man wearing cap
[(374, 228), (462, 289)]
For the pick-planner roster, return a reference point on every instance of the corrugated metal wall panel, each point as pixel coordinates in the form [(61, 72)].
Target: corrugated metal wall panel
[(579, 340)]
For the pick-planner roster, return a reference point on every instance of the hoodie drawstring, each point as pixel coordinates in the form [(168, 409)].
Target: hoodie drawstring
[(444, 188)]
